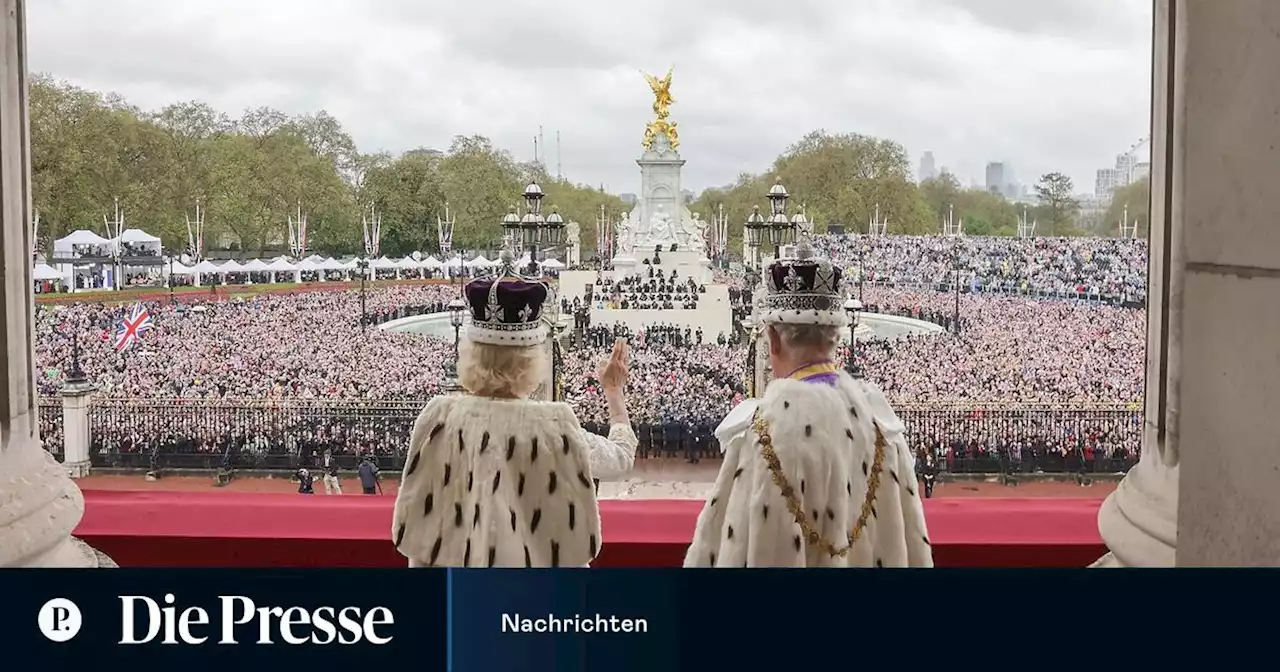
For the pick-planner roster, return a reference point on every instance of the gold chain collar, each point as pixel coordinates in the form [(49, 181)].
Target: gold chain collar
[(793, 504)]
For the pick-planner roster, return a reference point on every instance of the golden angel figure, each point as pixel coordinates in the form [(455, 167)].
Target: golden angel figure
[(661, 92)]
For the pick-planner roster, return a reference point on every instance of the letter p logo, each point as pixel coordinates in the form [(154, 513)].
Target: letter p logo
[(59, 619)]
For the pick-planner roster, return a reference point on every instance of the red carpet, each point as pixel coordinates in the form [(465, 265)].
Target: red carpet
[(219, 529)]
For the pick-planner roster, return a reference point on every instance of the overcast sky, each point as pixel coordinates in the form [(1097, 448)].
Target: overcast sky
[(1043, 84)]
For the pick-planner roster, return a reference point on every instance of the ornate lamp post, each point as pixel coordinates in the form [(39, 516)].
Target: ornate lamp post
[(532, 224), (76, 375), (781, 230), (754, 230), (363, 266), (172, 300), (853, 306), (456, 310)]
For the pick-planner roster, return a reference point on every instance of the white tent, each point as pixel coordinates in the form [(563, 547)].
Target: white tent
[(81, 237), (479, 262), (256, 266), (137, 236), (307, 265), (351, 264), (431, 262), (408, 264), (281, 265), (331, 265), (179, 268), (45, 272), (231, 266), (382, 263), (204, 267), (552, 264), (455, 262)]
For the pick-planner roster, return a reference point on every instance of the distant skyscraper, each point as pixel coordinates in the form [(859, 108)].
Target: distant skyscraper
[(928, 169), (1109, 179), (996, 177)]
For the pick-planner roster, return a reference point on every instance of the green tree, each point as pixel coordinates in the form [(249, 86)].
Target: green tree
[(1136, 198), (1057, 204)]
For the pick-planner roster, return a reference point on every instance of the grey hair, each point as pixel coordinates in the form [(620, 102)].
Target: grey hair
[(814, 338), (500, 371)]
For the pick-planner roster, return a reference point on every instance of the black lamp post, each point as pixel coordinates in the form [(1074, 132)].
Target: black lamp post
[(76, 375), (754, 231), (456, 310), (853, 307), (781, 229), (172, 299), (955, 317), (363, 267), (862, 249), (532, 231)]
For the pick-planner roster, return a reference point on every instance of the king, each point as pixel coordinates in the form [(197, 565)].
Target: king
[(817, 473)]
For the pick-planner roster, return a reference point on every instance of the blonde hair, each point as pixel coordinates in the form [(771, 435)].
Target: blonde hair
[(812, 339), (500, 371)]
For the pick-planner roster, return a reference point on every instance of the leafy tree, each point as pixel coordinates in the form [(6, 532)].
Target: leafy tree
[(1057, 204), (1137, 198)]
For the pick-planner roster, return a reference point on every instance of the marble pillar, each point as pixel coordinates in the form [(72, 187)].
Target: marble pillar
[(1205, 492), (75, 428), (39, 503)]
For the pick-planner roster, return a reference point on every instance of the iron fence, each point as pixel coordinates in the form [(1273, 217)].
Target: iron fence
[(50, 419), (150, 434)]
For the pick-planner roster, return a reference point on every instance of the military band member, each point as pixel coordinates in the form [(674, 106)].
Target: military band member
[(494, 479), (817, 473)]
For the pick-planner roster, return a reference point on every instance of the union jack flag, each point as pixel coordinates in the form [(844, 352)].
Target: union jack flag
[(132, 327)]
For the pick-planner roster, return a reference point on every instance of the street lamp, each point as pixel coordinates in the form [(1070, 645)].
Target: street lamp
[(456, 309), (76, 375), (754, 230), (532, 224), (781, 229), (172, 300), (853, 306), (862, 249), (363, 266)]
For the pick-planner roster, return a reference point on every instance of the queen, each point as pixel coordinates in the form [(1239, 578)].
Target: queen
[(661, 231), (494, 479)]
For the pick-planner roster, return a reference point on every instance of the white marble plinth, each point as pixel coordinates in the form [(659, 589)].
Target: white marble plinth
[(39, 508)]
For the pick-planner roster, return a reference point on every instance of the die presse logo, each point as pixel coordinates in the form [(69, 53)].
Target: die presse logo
[(237, 620)]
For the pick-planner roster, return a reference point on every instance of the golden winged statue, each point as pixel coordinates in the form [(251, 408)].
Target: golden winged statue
[(662, 100), (661, 92)]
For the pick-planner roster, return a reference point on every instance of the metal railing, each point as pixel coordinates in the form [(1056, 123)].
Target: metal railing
[(285, 435), (50, 419)]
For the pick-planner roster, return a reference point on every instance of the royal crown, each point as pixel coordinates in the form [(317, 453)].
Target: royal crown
[(803, 289), (507, 310)]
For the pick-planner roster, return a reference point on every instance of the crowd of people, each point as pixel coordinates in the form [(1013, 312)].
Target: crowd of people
[(347, 381)]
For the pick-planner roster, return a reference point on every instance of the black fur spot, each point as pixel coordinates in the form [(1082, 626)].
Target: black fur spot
[(802, 486), (586, 482), (713, 560), (911, 491), (849, 433), (493, 555), (765, 512), (475, 519), (565, 437), (730, 534), (497, 478), (831, 515), (511, 447), (854, 411), (513, 520), (413, 464), (738, 472), (555, 554), (435, 551), (595, 545), (533, 452), (457, 515), (466, 556), (520, 487), (815, 515), (448, 473), (533, 522), (462, 445), (864, 468), (714, 500), (894, 474), (808, 430), (848, 487), (471, 480), (786, 404), (926, 541), (400, 535), (873, 512), (428, 505), (879, 562), (484, 442), (528, 562), (796, 541), (551, 484), (573, 515), (435, 430)]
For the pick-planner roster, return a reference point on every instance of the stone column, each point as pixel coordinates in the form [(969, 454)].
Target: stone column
[(39, 504), (1226, 145), (1215, 279), (75, 428), (1138, 521)]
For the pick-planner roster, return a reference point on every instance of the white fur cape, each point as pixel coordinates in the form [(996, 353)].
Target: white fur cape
[(824, 438), (496, 483)]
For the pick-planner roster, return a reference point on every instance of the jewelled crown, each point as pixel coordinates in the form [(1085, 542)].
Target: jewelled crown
[(507, 310), (803, 289)]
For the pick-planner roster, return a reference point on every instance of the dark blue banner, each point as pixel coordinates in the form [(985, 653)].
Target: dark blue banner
[(616, 620)]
